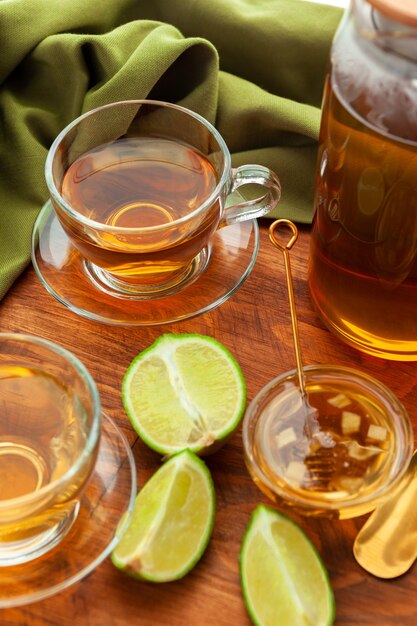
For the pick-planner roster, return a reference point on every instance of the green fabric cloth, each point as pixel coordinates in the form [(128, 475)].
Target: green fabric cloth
[(254, 68)]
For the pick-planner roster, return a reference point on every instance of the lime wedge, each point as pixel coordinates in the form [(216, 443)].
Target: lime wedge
[(184, 391), (284, 581), (171, 522)]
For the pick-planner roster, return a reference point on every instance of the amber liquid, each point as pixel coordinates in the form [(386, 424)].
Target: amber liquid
[(363, 261), (338, 454), (42, 434), (138, 183)]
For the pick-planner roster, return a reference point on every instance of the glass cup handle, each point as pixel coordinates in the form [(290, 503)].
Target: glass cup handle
[(246, 175)]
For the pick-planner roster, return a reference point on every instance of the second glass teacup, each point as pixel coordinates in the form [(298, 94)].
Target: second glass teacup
[(141, 187), (49, 439)]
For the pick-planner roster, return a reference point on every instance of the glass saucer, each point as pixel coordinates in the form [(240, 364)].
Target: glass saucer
[(61, 270), (110, 492)]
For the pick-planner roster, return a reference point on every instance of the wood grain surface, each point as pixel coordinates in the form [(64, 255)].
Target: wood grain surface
[(255, 325)]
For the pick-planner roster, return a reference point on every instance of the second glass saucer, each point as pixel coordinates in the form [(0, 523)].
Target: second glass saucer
[(61, 270), (109, 494)]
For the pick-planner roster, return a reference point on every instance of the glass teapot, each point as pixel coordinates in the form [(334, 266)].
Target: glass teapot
[(363, 257)]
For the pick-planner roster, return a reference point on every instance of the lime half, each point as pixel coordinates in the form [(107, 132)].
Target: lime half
[(184, 391), (171, 523), (284, 581)]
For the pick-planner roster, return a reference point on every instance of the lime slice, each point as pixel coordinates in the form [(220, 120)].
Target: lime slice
[(184, 391), (284, 581), (171, 522)]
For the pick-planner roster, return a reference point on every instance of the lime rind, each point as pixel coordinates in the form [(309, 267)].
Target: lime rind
[(193, 391), (142, 538), (301, 598)]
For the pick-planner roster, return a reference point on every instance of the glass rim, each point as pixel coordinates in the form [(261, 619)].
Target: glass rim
[(57, 197), (93, 434), (313, 502)]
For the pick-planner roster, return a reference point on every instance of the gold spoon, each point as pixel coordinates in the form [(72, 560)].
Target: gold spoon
[(386, 546)]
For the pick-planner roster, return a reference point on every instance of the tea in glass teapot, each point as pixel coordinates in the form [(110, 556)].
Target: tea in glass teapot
[(363, 257)]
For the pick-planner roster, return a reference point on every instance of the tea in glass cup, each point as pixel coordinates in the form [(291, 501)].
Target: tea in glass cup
[(141, 187), (49, 436), (336, 453)]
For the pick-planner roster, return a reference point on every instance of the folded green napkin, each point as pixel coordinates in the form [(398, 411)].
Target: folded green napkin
[(254, 68)]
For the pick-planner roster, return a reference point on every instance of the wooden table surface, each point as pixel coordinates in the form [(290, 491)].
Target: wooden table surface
[(255, 325)]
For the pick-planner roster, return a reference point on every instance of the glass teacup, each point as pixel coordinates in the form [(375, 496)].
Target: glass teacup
[(49, 436), (141, 187)]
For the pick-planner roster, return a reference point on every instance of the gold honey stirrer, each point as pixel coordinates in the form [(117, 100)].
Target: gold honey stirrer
[(285, 249), (320, 466)]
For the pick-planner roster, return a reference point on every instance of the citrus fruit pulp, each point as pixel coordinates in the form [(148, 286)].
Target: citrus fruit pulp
[(171, 523), (184, 391), (284, 582)]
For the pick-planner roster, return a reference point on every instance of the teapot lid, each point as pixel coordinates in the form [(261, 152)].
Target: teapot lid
[(403, 11)]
